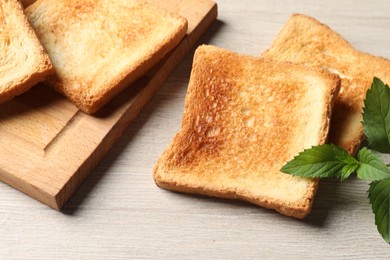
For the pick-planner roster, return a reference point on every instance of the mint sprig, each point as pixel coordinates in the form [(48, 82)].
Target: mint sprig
[(329, 160), (322, 161)]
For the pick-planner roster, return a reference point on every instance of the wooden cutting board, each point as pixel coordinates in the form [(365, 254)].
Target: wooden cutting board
[(48, 147)]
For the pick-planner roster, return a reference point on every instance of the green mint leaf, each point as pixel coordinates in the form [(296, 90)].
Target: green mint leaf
[(321, 161), (376, 116), (379, 194), (371, 166), (347, 170)]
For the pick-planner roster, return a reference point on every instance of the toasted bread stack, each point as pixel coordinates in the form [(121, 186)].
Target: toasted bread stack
[(87, 50), (244, 121)]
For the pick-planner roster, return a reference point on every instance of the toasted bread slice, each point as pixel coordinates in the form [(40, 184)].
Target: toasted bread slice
[(99, 47), (24, 62), (244, 118), (305, 40)]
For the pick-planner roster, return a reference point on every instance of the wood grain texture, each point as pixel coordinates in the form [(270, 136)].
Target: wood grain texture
[(50, 146), (119, 213)]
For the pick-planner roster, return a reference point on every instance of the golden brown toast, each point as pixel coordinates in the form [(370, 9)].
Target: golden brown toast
[(23, 61), (305, 40), (244, 118), (100, 47)]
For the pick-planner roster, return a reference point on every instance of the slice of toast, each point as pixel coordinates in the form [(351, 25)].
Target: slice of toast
[(24, 62), (244, 118), (100, 47), (305, 40)]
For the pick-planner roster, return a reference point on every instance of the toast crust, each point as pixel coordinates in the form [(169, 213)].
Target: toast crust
[(24, 62), (236, 135), (307, 41), (100, 47)]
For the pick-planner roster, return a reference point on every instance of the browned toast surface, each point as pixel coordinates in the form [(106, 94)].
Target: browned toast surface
[(244, 118), (307, 41), (100, 47)]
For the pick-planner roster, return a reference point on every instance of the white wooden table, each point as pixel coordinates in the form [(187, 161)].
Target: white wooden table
[(120, 213)]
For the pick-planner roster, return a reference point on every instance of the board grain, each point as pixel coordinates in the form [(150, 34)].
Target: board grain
[(49, 146)]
